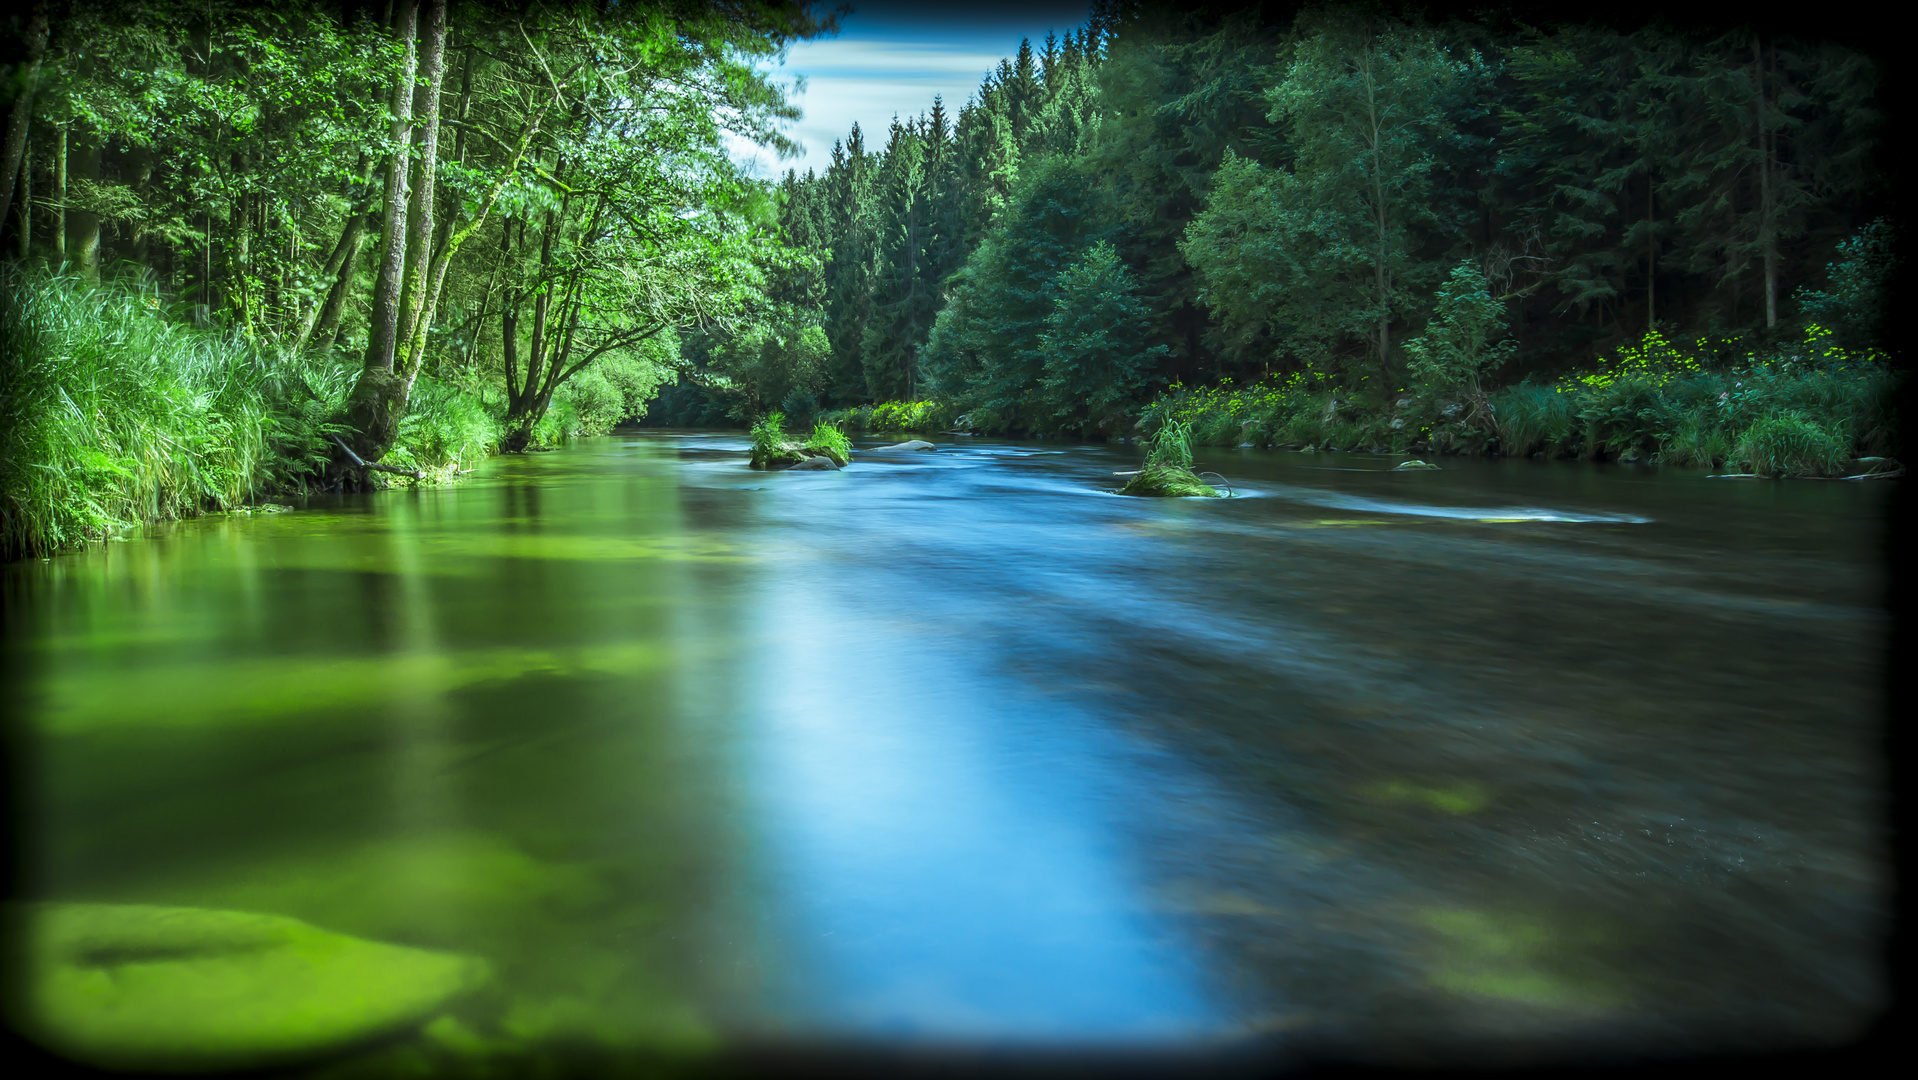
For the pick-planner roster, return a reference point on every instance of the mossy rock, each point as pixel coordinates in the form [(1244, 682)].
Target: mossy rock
[(168, 989), (1168, 481), (1413, 466), (777, 457)]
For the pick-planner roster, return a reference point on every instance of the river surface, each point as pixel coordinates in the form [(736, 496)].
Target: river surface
[(960, 749)]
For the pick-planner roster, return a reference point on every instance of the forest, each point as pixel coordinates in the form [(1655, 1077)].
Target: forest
[(325, 244)]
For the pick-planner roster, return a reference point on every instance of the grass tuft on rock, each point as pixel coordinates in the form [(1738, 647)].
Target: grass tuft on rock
[(828, 441), (1168, 467), (773, 450)]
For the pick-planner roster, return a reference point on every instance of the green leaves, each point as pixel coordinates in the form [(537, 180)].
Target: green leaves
[(1097, 364), (1306, 260), (1462, 342)]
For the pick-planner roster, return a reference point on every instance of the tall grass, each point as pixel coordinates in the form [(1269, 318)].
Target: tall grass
[(1533, 419), (112, 414), (1793, 445)]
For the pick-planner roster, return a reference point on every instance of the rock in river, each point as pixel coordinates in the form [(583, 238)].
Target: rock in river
[(170, 989), (914, 444), (1413, 465), (812, 463)]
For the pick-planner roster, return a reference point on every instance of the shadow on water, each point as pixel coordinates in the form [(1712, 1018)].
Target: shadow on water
[(955, 753)]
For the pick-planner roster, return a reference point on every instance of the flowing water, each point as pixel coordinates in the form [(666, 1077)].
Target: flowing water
[(958, 748)]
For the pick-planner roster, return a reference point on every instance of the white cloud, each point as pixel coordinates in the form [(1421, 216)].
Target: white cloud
[(869, 82)]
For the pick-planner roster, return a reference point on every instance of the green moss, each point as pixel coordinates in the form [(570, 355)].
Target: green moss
[(1466, 798), (1518, 961), (189, 989), (1168, 481)]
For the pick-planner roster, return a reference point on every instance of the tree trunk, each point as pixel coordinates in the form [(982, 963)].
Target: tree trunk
[(1767, 227), (60, 140), (83, 226), (373, 410), (414, 314), (517, 434), (15, 149), (444, 243), (25, 237), (1651, 257)]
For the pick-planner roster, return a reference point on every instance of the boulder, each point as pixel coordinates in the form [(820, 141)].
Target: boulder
[(169, 989), (813, 464), (1413, 466), (911, 444)]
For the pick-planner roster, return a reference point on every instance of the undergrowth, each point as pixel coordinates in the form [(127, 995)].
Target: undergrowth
[(1810, 408)]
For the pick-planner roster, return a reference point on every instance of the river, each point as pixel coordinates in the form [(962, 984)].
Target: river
[(960, 749)]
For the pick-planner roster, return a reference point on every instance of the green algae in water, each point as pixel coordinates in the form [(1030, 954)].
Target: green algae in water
[(175, 989), (1515, 960), (264, 690), (1465, 798)]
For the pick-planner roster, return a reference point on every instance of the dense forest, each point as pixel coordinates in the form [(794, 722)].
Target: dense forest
[(1174, 197), (336, 242)]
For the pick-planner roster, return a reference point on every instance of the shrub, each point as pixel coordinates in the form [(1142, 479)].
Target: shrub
[(908, 416)]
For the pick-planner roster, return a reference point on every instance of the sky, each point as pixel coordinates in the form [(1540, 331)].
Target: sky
[(890, 58)]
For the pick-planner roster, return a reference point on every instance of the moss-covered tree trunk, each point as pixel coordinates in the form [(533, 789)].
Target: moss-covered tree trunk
[(378, 401)]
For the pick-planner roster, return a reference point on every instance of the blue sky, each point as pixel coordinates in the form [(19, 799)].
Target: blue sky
[(891, 58)]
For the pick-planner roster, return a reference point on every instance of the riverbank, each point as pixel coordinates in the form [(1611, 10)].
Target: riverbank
[(116, 411), (1812, 409), (1809, 409)]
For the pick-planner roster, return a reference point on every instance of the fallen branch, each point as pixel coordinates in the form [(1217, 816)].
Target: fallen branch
[(414, 473)]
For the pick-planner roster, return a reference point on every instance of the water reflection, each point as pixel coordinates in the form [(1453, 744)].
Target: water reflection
[(946, 876)]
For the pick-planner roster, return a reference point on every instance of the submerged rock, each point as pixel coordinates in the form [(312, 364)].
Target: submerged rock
[(168, 989), (1413, 465), (911, 444)]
